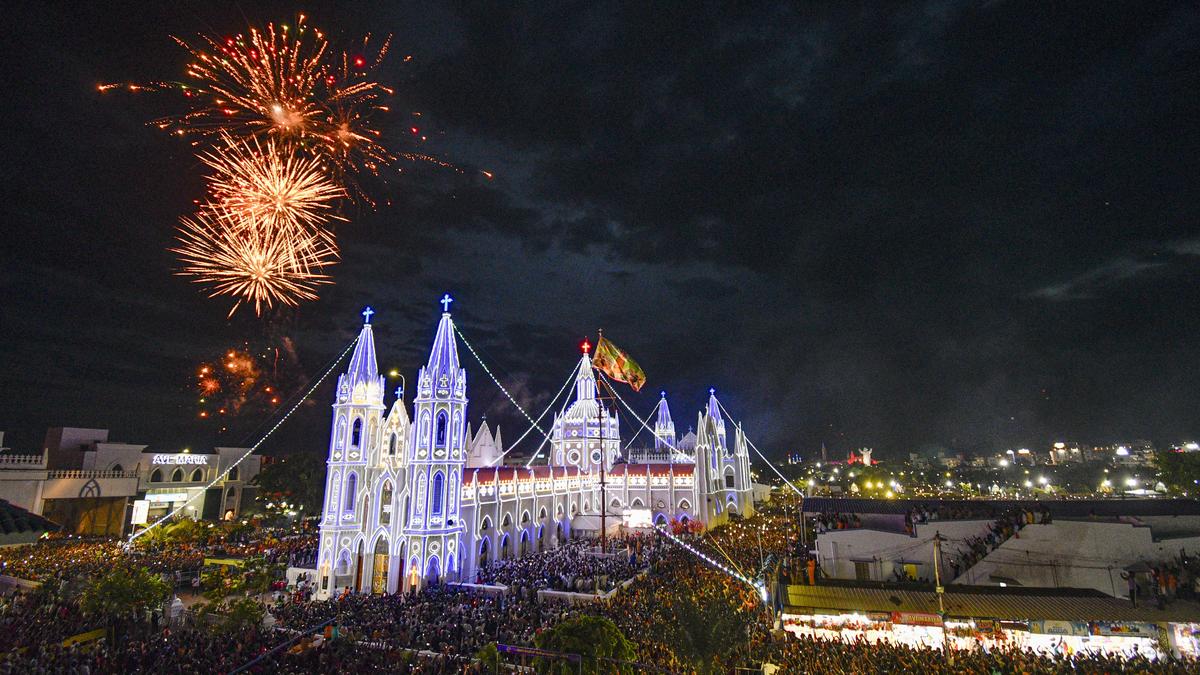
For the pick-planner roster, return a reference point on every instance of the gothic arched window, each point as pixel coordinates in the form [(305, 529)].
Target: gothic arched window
[(197, 476), (385, 504), (117, 467), (392, 445), (356, 433), (351, 490), (233, 474), (177, 476), (439, 440), (439, 482), (156, 477)]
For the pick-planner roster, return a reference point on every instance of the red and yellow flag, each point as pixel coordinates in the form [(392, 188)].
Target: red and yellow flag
[(617, 364)]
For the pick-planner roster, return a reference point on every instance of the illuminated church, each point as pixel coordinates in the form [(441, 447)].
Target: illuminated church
[(411, 500)]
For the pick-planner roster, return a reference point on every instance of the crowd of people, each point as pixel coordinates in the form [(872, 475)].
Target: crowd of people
[(681, 616), (573, 566)]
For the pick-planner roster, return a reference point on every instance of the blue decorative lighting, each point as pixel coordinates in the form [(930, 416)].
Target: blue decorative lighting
[(367, 315), (446, 300)]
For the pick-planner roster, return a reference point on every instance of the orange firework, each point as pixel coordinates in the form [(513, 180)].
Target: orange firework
[(259, 265), (264, 81), (269, 186)]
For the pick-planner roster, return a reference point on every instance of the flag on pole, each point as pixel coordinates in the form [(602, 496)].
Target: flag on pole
[(616, 364)]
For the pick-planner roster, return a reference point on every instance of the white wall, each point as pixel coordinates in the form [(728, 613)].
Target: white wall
[(1076, 554), (839, 549)]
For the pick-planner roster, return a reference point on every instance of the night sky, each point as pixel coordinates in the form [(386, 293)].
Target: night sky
[(972, 225)]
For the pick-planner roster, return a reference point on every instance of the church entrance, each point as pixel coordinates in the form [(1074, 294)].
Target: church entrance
[(432, 575), (379, 570), (358, 564)]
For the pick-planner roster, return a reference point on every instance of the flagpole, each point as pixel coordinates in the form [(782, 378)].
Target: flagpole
[(603, 463)]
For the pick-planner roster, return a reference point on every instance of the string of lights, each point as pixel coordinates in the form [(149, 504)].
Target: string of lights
[(639, 431), (761, 589), (221, 476), (562, 409), (756, 450), (631, 411), (489, 374), (563, 388)]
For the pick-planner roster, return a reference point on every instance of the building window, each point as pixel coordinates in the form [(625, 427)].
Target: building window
[(439, 440), (729, 481), (438, 484), (385, 504), (197, 476), (351, 491), (177, 476), (117, 467), (862, 571), (356, 433), (392, 445)]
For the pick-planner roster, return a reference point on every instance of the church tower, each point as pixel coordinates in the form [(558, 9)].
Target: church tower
[(586, 433), (664, 428), (357, 418), (437, 456)]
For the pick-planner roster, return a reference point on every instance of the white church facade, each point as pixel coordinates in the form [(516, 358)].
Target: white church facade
[(412, 500)]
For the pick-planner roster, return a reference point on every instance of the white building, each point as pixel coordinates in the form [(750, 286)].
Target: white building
[(91, 485), (411, 500)]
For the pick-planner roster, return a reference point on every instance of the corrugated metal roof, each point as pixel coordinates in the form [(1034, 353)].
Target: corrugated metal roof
[(989, 605)]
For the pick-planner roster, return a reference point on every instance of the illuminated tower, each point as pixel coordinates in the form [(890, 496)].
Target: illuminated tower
[(357, 412), (586, 432), (664, 428), (436, 459)]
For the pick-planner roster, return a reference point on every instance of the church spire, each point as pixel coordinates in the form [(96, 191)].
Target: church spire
[(664, 427), (443, 357), (363, 366), (585, 379)]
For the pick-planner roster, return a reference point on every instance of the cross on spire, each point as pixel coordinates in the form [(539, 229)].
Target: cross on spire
[(399, 392), (712, 391), (585, 346), (446, 300), (367, 315)]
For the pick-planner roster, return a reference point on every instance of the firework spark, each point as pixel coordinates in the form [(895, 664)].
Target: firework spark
[(265, 185), (254, 264)]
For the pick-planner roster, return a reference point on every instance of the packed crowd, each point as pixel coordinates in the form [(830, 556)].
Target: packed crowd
[(574, 566), (681, 616), (810, 655), (443, 620)]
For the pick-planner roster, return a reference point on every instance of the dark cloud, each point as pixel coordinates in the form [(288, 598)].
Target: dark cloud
[(962, 223)]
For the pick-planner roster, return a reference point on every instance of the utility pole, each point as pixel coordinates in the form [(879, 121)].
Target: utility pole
[(941, 590)]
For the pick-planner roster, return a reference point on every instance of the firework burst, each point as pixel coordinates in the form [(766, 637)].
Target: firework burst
[(255, 264), (269, 186), (286, 125)]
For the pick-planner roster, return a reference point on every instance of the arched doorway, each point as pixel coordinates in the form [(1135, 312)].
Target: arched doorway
[(433, 572), (358, 567), (505, 549), (524, 543), (379, 567)]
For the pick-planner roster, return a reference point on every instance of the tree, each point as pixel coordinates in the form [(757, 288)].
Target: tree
[(593, 638), (298, 479), (242, 615), (1179, 471), (489, 658), (706, 629), (122, 591)]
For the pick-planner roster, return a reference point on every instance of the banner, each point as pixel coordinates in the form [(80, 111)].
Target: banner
[(615, 363), (1049, 627), (1124, 629), (90, 636), (916, 618)]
